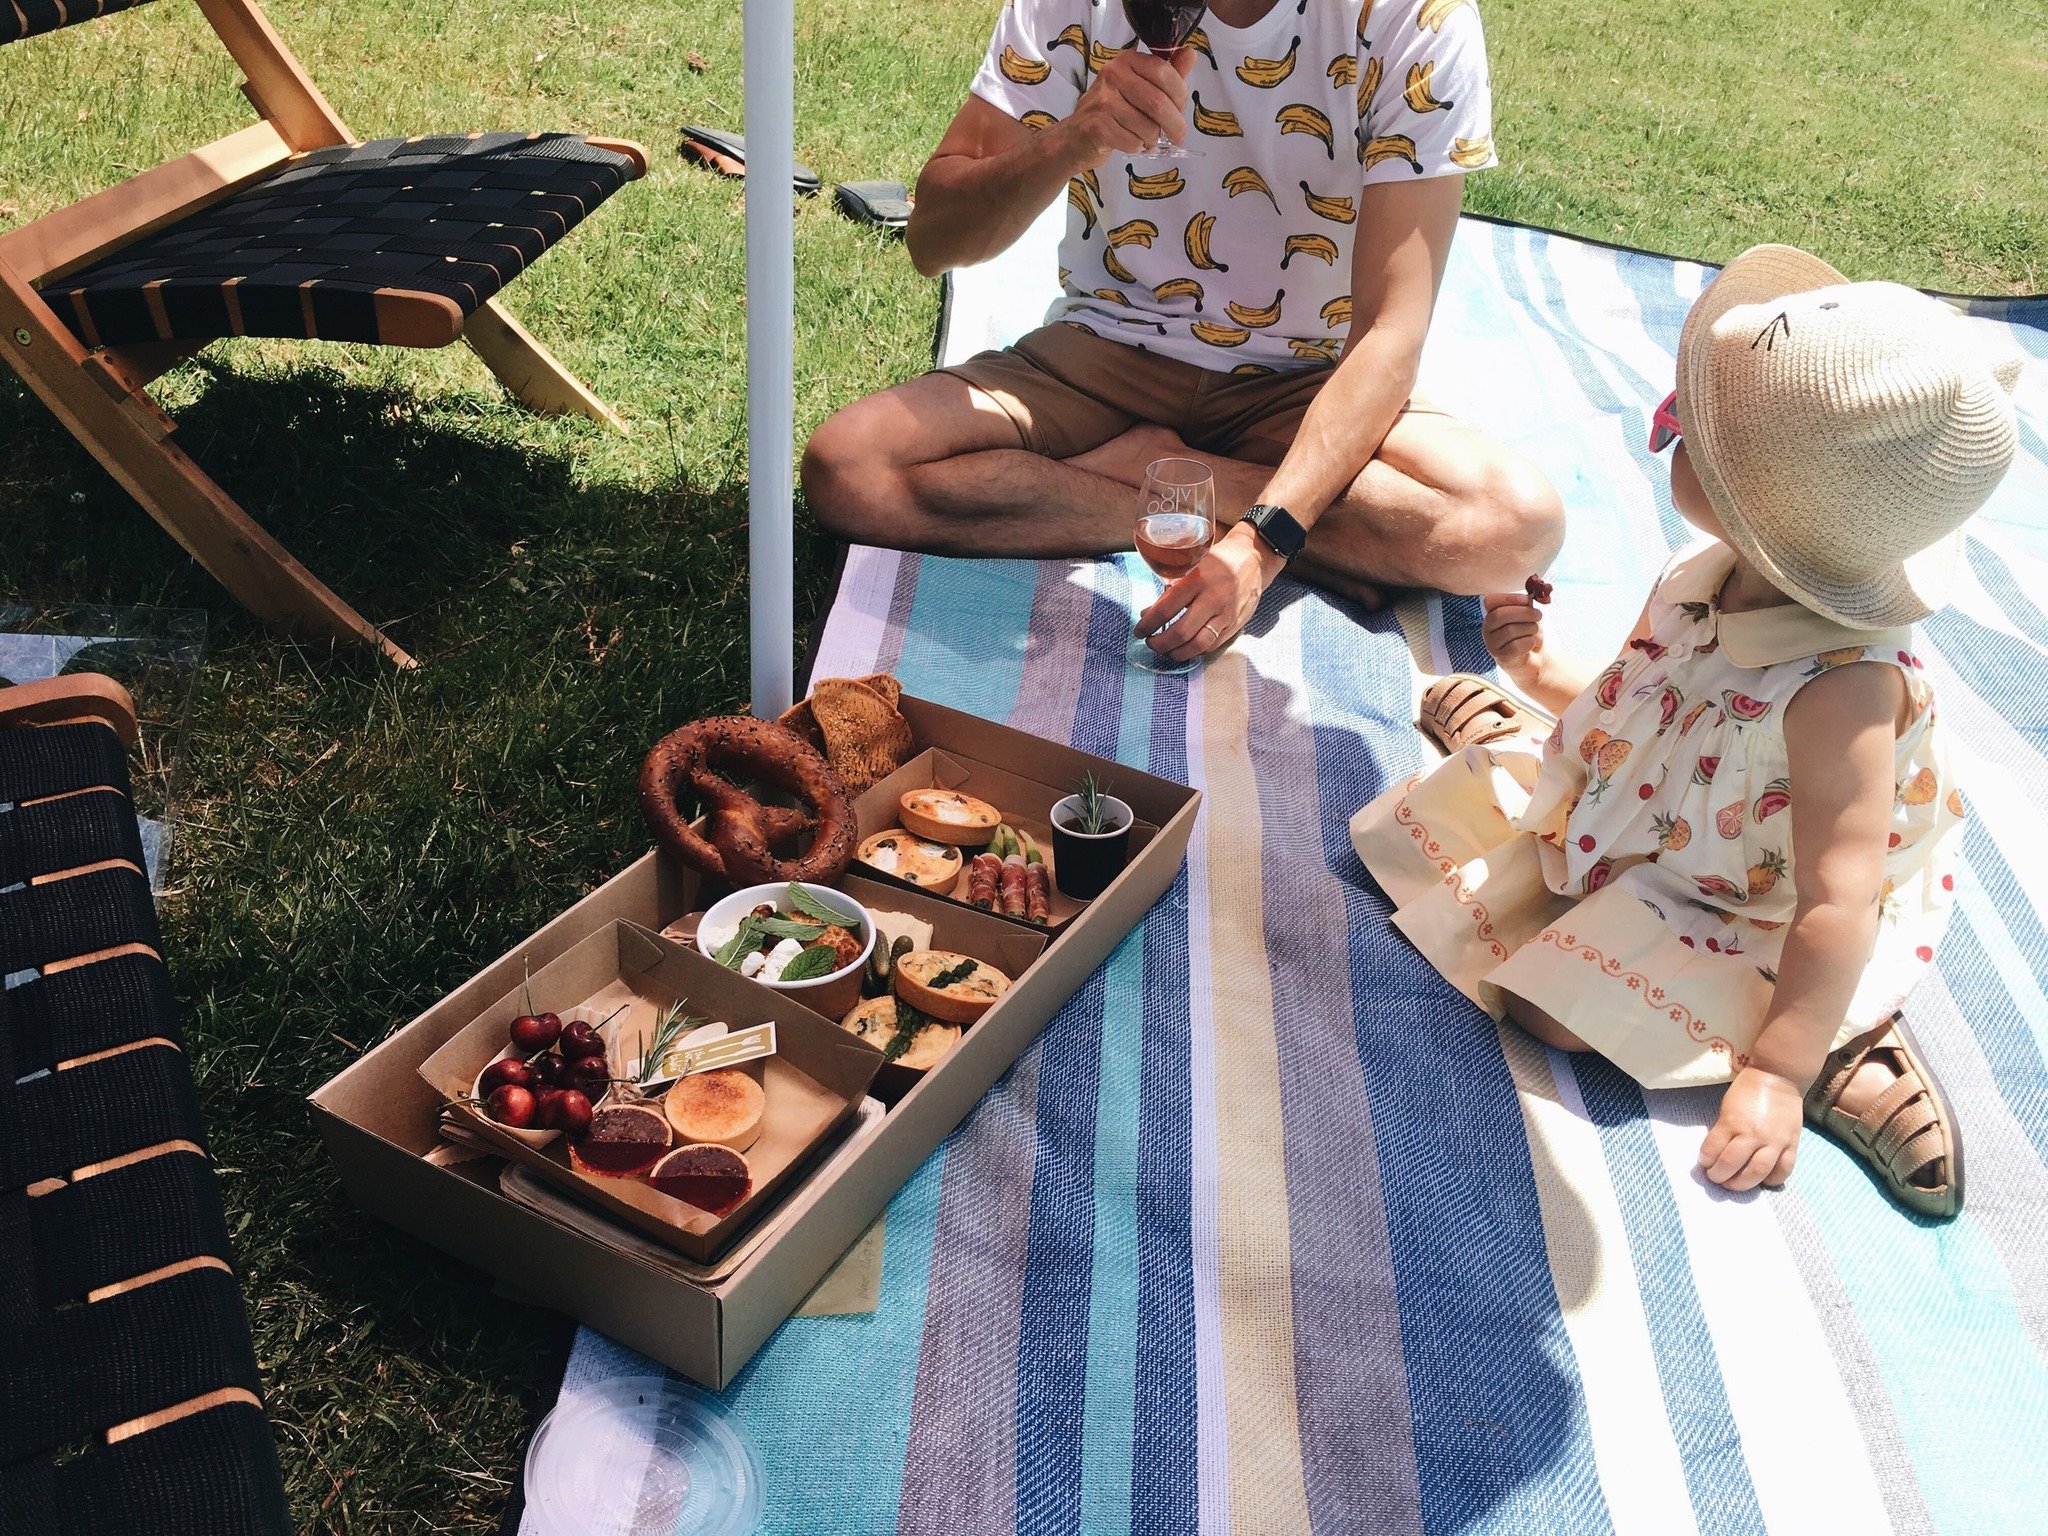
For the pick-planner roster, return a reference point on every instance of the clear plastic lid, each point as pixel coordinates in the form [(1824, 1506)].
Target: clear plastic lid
[(641, 1453)]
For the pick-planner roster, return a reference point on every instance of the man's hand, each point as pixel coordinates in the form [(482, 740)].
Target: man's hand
[(1136, 98), (1756, 1136), (1215, 600)]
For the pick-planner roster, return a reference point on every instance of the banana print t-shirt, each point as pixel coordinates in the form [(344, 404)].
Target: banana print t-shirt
[(1240, 261)]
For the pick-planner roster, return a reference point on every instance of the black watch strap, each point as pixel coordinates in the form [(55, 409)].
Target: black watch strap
[(1277, 527)]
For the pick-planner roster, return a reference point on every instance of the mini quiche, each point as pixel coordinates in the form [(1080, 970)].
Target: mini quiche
[(956, 988), (947, 816), (927, 865), (880, 1020)]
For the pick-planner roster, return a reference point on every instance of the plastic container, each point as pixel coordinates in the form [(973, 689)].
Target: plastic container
[(641, 1453)]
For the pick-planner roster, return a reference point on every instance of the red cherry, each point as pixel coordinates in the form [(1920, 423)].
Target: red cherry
[(533, 1035), (1587, 843), (1895, 840), (511, 1106), (548, 1069), (551, 1020), (508, 1072), (1948, 882), (580, 1038), (1686, 940), (591, 1074), (570, 1111), (1924, 952), (1645, 791), (1714, 945)]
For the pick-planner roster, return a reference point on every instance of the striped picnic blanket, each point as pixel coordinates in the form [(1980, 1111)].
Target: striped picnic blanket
[(1273, 1232)]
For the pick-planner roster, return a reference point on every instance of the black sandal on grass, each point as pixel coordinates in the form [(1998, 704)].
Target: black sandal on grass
[(726, 153)]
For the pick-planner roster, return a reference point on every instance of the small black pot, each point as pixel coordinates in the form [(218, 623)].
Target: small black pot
[(1084, 865)]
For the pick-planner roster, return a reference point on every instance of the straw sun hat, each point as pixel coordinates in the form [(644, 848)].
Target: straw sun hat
[(1844, 432)]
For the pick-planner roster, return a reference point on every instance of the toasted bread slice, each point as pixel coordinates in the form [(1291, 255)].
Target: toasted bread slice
[(955, 988), (947, 816), (723, 1106), (927, 865), (879, 1018)]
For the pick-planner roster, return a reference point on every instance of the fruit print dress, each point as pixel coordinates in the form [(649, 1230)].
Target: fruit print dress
[(1633, 876)]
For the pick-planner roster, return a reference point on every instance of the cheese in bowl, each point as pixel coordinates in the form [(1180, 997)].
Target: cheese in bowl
[(957, 989)]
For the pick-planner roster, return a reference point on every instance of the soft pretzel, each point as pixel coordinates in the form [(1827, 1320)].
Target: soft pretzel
[(739, 832)]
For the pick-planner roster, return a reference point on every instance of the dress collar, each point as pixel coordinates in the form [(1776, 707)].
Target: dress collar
[(1765, 637)]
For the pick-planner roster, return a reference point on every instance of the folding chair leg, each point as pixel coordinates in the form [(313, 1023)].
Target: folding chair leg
[(126, 433), (529, 370)]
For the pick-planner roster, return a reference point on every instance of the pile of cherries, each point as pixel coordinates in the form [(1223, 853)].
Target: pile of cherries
[(551, 1084)]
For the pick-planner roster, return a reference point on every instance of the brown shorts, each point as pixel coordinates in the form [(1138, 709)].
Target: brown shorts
[(1069, 391)]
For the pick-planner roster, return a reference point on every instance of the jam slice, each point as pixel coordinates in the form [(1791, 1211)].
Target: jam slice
[(624, 1139), (714, 1179)]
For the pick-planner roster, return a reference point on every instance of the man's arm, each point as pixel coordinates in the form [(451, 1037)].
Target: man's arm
[(991, 175), (1397, 263)]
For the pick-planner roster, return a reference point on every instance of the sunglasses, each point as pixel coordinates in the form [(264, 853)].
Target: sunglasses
[(1664, 428)]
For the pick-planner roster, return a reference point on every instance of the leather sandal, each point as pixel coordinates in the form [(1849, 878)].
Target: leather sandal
[(1466, 710), (1906, 1134)]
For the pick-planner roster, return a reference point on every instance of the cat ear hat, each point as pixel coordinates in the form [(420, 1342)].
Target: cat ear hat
[(1844, 432)]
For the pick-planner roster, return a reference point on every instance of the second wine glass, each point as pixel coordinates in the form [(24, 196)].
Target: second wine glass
[(1176, 523)]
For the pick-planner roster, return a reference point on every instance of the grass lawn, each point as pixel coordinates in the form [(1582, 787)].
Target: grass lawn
[(355, 841)]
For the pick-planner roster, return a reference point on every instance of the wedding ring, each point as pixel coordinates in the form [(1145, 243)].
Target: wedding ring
[(1209, 626)]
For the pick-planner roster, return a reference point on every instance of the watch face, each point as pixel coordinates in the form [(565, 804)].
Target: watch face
[(1279, 529)]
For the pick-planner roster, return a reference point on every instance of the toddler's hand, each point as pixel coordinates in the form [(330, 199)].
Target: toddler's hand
[(1756, 1136), (1514, 636)]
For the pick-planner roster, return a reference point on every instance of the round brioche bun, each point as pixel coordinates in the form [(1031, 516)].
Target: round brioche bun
[(722, 1107), (947, 816), (875, 1022), (958, 1002)]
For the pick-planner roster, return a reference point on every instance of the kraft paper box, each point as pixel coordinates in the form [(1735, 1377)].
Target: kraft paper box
[(379, 1116)]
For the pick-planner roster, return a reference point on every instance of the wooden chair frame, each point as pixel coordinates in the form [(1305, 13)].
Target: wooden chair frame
[(102, 395)]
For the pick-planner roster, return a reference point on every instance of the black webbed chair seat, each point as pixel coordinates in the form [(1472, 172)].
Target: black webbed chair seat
[(397, 242), (131, 1392)]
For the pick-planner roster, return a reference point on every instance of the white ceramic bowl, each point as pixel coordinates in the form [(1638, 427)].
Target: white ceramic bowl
[(827, 995)]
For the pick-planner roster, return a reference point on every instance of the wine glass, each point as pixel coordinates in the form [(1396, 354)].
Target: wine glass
[(1176, 522), (1163, 26)]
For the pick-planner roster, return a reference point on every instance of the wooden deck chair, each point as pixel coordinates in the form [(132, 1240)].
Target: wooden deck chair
[(131, 1388), (289, 228)]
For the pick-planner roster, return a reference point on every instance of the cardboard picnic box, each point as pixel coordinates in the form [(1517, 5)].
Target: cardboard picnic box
[(380, 1117)]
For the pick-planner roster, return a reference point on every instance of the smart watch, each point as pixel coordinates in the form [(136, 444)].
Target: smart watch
[(1277, 528)]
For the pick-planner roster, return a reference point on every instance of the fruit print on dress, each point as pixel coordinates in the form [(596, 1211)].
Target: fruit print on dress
[(1343, 70), (1776, 797), (1743, 707), (1023, 71), (1435, 13), (1179, 288)]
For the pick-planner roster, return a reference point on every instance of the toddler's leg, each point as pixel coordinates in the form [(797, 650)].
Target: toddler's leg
[(1541, 1024)]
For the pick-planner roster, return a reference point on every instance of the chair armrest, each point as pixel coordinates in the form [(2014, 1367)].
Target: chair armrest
[(633, 152), (62, 700)]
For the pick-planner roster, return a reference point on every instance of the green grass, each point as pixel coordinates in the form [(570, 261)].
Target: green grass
[(356, 841)]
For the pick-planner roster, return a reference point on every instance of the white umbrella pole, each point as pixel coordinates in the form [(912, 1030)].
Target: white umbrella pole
[(770, 41)]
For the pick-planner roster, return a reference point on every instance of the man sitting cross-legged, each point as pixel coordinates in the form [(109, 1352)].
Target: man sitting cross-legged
[(1262, 306)]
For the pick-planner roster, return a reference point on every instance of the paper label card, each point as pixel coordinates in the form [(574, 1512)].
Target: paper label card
[(710, 1047)]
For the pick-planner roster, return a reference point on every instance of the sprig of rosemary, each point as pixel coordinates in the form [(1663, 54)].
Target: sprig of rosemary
[(1092, 809), (675, 1024)]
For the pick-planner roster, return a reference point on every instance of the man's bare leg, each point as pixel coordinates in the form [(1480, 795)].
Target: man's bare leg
[(1442, 506), (936, 465)]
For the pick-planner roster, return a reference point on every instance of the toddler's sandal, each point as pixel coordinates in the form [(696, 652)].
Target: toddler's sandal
[(1905, 1132), (1466, 710)]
